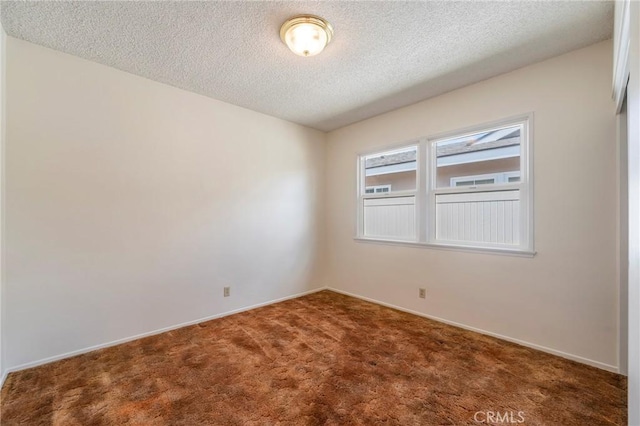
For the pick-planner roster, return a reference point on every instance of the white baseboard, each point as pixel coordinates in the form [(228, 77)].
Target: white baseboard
[(48, 360), (147, 334), (572, 357)]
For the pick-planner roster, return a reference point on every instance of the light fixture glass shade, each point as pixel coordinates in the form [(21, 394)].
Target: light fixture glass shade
[(306, 35)]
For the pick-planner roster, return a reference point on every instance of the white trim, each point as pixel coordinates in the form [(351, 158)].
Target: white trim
[(541, 348), (150, 333), (457, 197), (633, 157), (408, 166), (496, 187), (622, 256), (426, 191), (478, 128), (3, 180), (360, 183), (362, 196), (477, 156), (422, 223), (430, 196), (526, 191), (449, 246), (525, 185), (419, 178), (400, 146), (44, 361), (390, 201), (621, 44), (393, 194)]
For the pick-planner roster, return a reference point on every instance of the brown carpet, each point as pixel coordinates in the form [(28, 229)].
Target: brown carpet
[(319, 359)]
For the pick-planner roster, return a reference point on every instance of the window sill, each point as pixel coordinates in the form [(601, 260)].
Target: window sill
[(449, 247)]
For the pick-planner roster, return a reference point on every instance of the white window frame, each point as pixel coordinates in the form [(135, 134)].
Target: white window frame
[(426, 191), (361, 167)]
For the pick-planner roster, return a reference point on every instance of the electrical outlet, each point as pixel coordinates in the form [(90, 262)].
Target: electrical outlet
[(227, 291), (423, 293)]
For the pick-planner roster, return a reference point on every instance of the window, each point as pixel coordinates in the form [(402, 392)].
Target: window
[(378, 189), (388, 201), (469, 189), (485, 179)]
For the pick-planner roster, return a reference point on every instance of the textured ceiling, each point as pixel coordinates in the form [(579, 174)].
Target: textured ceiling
[(384, 55)]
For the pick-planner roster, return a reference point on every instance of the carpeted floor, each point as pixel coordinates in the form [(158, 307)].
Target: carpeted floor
[(320, 359)]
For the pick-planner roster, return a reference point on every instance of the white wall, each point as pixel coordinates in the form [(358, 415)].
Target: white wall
[(2, 138), (623, 242), (564, 299), (130, 204)]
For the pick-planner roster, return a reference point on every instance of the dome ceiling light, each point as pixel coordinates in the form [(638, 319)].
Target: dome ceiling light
[(306, 35)]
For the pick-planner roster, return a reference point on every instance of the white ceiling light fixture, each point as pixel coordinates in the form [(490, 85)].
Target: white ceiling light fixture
[(306, 35)]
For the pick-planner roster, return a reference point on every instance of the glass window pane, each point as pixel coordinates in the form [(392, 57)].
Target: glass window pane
[(391, 218), (488, 157), (378, 189), (391, 171), (490, 217)]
